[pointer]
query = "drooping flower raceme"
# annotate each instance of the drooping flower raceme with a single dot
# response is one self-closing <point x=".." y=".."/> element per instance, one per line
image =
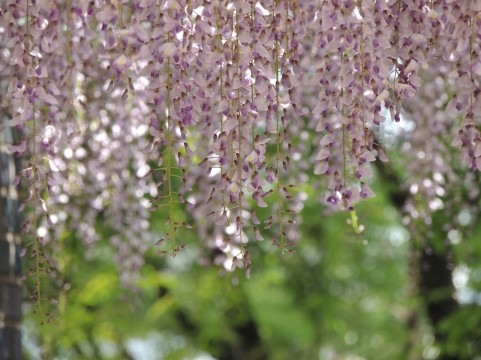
<point x="221" y="107"/>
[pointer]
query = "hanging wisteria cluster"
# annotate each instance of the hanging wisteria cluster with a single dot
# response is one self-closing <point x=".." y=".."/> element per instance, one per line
<point x="126" y="106"/>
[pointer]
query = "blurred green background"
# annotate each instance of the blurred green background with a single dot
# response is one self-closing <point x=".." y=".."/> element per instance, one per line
<point x="339" y="296"/>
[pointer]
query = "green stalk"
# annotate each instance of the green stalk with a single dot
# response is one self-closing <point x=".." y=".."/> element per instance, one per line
<point x="169" y="155"/>
<point x="278" y="148"/>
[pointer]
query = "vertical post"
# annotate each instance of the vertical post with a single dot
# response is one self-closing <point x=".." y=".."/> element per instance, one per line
<point x="10" y="266"/>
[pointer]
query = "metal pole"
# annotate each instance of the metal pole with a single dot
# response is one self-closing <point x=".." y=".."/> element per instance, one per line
<point x="10" y="248"/>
